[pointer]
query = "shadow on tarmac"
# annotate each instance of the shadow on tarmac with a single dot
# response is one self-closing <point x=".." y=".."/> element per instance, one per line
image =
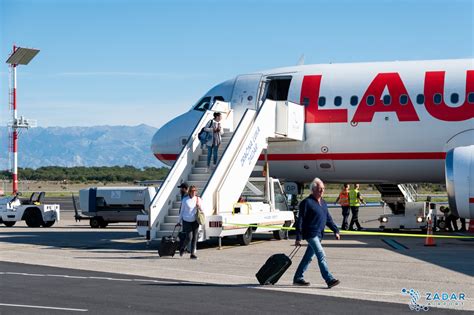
<point x="453" y="254"/>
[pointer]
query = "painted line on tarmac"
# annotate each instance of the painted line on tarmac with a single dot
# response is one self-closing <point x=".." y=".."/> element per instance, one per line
<point x="46" y="307"/>
<point x="86" y="277"/>
<point x="353" y="232"/>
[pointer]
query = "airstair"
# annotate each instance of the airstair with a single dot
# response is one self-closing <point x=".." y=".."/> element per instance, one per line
<point x="396" y="195"/>
<point x="238" y="154"/>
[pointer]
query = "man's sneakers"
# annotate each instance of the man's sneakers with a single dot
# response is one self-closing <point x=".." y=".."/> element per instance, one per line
<point x="301" y="282"/>
<point x="193" y="256"/>
<point x="333" y="283"/>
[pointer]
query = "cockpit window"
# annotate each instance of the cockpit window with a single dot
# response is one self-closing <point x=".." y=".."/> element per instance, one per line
<point x="218" y="98"/>
<point x="204" y="104"/>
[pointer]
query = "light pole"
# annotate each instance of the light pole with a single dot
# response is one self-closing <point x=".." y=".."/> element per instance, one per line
<point x="20" y="56"/>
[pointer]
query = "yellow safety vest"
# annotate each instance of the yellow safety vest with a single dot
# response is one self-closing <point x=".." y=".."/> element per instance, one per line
<point x="353" y="200"/>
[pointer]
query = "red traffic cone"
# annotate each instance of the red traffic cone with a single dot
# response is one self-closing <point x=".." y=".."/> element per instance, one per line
<point x="429" y="241"/>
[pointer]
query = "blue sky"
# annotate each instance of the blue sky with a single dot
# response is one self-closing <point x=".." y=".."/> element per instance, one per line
<point x="130" y="62"/>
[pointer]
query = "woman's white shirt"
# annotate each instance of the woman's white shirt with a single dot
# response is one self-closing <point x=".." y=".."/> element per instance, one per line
<point x="188" y="209"/>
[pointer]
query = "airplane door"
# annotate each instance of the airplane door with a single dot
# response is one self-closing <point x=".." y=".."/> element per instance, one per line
<point x="246" y="92"/>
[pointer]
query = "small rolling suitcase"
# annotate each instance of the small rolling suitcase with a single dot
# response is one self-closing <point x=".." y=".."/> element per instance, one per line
<point x="275" y="267"/>
<point x="168" y="245"/>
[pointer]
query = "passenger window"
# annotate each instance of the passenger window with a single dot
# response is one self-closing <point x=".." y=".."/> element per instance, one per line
<point x="354" y="100"/>
<point x="454" y="98"/>
<point x="203" y="104"/>
<point x="403" y="99"/>
<point x="437" y="98"/>
<point x="370" y="100"/>
<point x="305" y="101"/>
<point x="338" y="101"/>
<point x="387" y="100"/>
<point x="420" y="99"/>
<point x="470" y="98"/>
<point x="322" y="101"/>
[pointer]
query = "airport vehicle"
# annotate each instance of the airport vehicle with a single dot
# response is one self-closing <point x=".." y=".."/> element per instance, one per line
<point x="104" y="205"/>
<point x="415" y="216"/>
<point x="262" y="205"/>
<point x="387" y="123"/>
<point x="32" y="211"/>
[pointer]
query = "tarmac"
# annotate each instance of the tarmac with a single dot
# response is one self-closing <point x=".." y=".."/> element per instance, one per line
<point x="370" y="268"/>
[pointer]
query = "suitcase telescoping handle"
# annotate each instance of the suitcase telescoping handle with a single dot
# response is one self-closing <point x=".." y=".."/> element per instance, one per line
<point x="294" y="251"/>
<point x="172" y="234"/>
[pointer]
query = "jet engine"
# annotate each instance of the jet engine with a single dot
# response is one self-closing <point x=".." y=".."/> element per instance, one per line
<point x="460" y="180"/>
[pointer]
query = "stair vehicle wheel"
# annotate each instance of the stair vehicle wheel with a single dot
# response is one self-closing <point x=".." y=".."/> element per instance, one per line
<point x="280" y="234"/>
<point x="47" y="224"/>
<point x="245" y="238"/>
<point x="95" y="222"/>
<point x="33" y="217"/>
<point x="9" y="223"/>
<point x="103" y="224"/>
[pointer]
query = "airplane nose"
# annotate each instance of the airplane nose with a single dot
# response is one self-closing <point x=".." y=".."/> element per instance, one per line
<point x="172" y="136"/>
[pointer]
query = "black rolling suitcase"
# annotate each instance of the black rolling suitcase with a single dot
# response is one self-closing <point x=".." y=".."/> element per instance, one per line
<point x="275" y="267"/>
<point x="168" y="245"/>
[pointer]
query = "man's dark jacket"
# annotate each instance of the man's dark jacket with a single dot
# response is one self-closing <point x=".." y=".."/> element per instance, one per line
<point x="312" y="218"/>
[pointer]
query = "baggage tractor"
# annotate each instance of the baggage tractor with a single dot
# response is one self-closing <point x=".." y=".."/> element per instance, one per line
<point x="168" y="245"/>
<point x="275" y="267"/>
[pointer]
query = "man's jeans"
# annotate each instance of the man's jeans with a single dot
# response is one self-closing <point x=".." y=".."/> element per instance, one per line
<point x="314" y="247"/>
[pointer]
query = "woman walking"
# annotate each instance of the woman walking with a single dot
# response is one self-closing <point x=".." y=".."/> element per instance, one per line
<point x="187" y="218"/>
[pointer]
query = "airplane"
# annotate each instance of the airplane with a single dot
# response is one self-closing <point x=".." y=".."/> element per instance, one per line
<point x="374" y="122"/>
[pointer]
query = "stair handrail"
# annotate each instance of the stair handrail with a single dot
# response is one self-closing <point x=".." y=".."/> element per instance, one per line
<point x="244" y="138"/>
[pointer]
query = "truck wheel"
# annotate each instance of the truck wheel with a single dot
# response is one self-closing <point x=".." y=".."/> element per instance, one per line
<point x="245" y="238"/>
<point x="47" y="224"/>
<point x="95" y="222"/>
<point x="9" y="223"/>
<point x="280" y="234"/>
<point x="103" y="224"/>
<point x="33" y="217"/>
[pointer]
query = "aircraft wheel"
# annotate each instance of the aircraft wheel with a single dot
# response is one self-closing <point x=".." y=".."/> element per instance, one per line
<point x="9" y="223"/>
<point x="33" y="217"/>
<point x="49" y="223"/>
<point x="95" y="222"/>
<point x="245" y="238"/>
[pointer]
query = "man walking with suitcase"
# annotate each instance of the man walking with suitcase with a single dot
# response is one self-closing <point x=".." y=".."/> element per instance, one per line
<point x="313" y="216"/>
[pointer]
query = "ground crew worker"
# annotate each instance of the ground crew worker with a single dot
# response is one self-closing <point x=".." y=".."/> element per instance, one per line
<point x="343" y="200"/>
<point x="355" y="199"/>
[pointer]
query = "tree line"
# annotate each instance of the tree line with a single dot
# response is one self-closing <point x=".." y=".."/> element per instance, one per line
<point x="87" y="174"/>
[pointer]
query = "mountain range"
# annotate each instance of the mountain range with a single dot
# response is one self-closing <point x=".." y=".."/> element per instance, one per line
<point x="82" y="146"/>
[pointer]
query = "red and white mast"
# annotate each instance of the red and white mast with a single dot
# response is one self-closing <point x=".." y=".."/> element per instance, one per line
<point x="20" y="56"/>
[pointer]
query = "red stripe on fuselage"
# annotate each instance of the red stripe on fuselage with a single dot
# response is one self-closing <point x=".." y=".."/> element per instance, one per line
<point x="339" y="156"/>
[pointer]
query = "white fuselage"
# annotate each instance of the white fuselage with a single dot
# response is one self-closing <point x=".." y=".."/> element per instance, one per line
<point x="407" y="115"/>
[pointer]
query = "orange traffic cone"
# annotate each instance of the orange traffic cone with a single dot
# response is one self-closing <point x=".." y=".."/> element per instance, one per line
<point x="471" y="226"/>
<point x="429" y="241"/>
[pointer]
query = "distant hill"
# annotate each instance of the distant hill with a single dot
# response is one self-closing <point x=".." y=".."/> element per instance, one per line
<point x="83" y="146"/>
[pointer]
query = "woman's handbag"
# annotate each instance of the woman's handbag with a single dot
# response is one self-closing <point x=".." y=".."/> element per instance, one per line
<point x="200" y="217"/>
